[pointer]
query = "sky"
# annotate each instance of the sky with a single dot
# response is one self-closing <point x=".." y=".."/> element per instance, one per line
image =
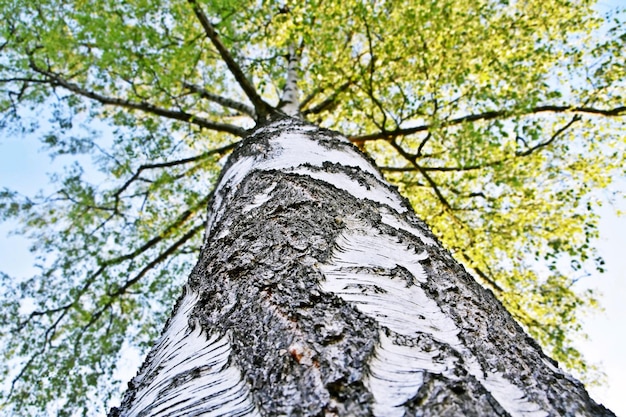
<point x="607" y="329"/>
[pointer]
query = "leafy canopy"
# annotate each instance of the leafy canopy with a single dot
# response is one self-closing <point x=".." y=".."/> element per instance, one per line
<point x="498" y="120"/>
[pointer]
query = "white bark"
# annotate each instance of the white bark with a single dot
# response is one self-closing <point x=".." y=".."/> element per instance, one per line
<point x="319" y="292"/>
<point x="289" y="102"/>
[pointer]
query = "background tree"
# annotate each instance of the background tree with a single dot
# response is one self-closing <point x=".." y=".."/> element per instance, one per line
<point x="497" y="121"/>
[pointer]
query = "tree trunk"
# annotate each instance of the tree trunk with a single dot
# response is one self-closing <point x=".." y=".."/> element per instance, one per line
<point x="319" y="293"/>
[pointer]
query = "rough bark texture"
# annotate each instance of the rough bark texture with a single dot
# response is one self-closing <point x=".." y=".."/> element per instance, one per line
<point x="319" y="293"/>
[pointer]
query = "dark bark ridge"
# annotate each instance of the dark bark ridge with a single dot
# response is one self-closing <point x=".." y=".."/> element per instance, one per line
<point x="319" y="293"/>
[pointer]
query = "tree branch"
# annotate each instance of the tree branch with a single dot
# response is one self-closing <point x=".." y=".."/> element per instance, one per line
<point x="56" y="80"/>
<point x="122" y="289"/>
<point x="614" y="112"/>
<point x="305" y="101"/>
<point x="443" y="169"/>
<point x="558" y="133"/>
<point x="413" y="158"/>
<point x="113" y="296"/>
<point x="223" y="101"/>
<point x="181" y="219"/>
<point x="370" y="80"/>
<point x="328" y="103"/>
<point x="160" y="258"/>
<point x="168" y="164"/>
<point x="486" y="278"/>
<point x="48" y="335"/>
<point x="22" y="79"/>
<point x="490" y="115"/>
<point x="262" y="109"/>
<point x="428" y="178"/>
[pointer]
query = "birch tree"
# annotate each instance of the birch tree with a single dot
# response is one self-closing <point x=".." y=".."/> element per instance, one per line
<point x="496" y="121"/>
<point x="318" y="292"/>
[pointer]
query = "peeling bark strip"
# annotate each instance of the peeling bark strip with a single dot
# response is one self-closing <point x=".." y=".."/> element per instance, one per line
<point x="188" y="372"/>
<point x="319" y="292"/>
